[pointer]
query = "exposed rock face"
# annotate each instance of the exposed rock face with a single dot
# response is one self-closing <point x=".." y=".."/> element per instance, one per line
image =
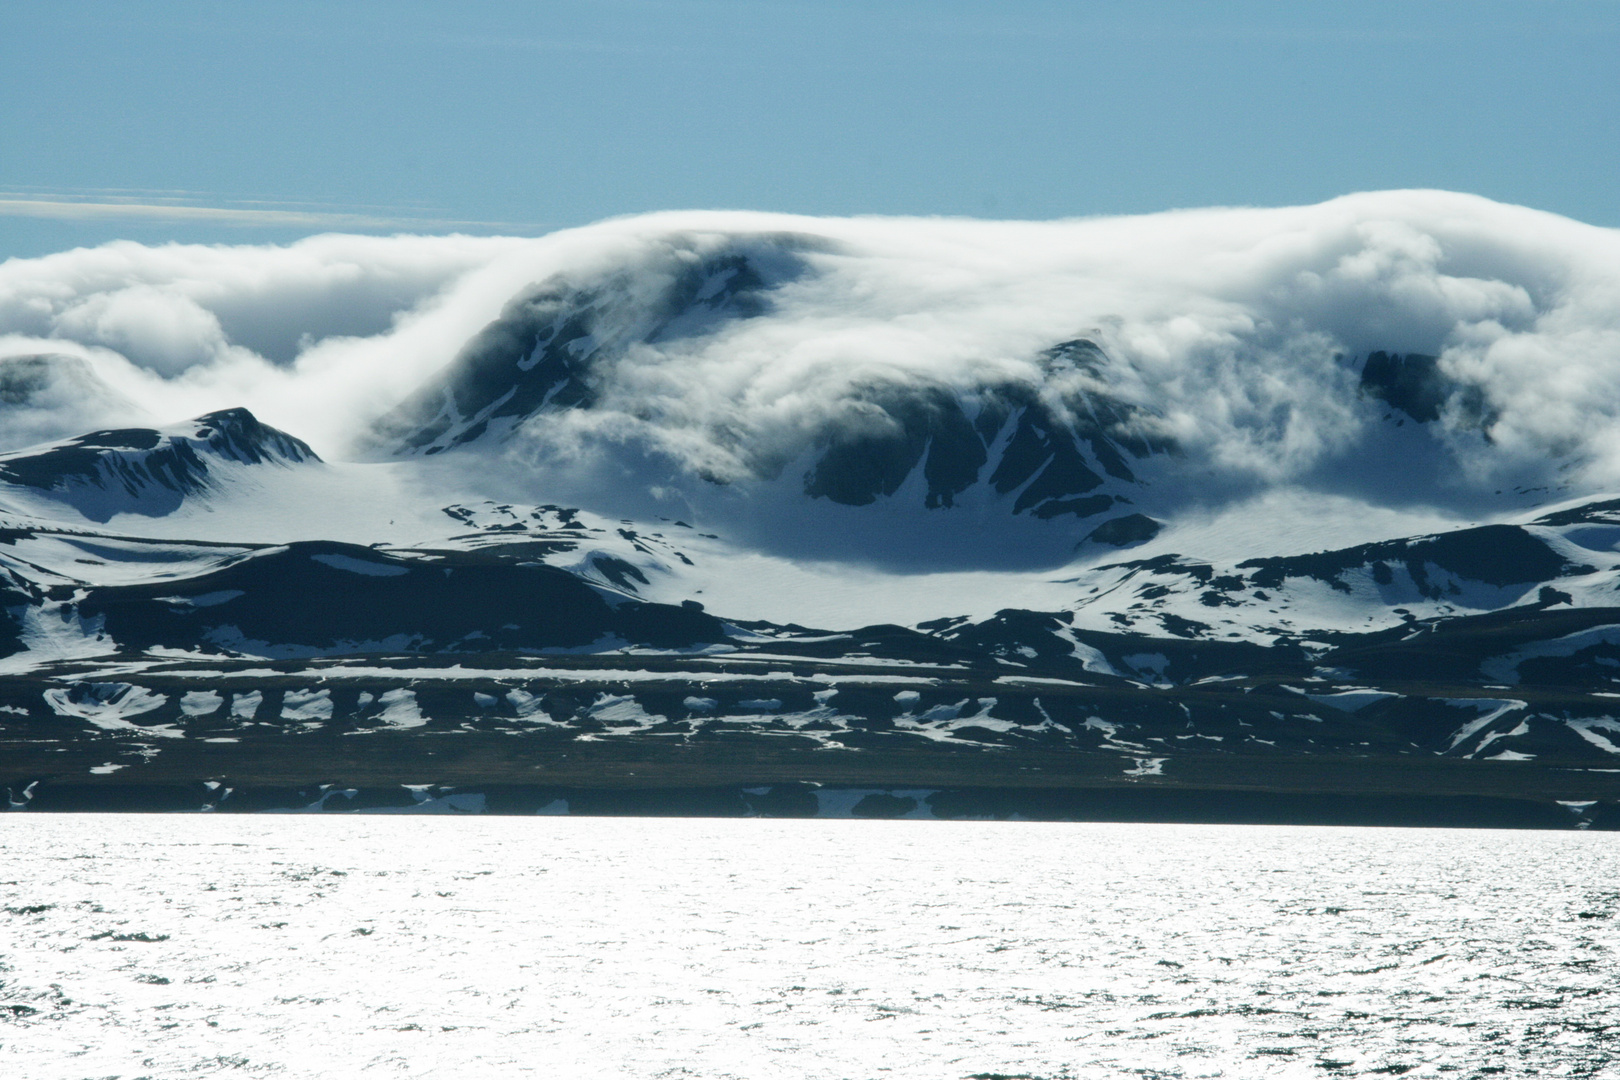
<point x="1054" y="454"/>
<point x="147" y="470"/>
<point x="1412" y="383"/>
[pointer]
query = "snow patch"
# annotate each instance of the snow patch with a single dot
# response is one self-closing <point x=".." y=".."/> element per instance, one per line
<point x="200" y="702"/>
<point x="306" y="705"/>
<point x="109" y="706"/>
<point x="400" y="709"/>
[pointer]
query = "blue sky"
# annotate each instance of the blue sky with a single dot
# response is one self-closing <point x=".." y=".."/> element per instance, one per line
<point x="223" y="121"/>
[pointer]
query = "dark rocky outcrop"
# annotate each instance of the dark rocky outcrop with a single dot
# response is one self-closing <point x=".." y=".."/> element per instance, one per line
<point x="321" y="597"/>
<point x="1124" y="531"/>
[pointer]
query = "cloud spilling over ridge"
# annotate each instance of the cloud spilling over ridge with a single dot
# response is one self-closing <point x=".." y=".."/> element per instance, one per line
<point x="176" y="330"/>
<point x="1240" y="330"/>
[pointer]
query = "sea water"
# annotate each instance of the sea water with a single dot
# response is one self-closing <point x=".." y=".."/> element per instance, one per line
<point x="335" y="947"/>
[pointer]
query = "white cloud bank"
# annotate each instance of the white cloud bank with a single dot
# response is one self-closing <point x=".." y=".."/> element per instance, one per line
<point x="1238" y="327"/>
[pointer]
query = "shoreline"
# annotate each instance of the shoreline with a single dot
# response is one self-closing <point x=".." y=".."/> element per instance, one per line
<point x="767" y="777"/>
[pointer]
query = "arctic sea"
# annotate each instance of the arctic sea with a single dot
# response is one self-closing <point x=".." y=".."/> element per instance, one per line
<point x="354" y="946"/>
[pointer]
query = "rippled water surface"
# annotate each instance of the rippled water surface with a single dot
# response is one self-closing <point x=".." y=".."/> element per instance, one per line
<point x="151" y="946"/>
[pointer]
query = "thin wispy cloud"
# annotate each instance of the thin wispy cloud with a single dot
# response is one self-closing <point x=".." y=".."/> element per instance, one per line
<point x="157" y="207"/>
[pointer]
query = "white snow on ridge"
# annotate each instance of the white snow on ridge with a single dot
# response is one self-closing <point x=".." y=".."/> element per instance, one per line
<point x="391" y="503"/>
<point x="1284" y="521"/>
<point x="1505" y="668"/>
<point x="1352" y="700"/>
<point x="941" y="722"/>
<point x="1602" y="732"/>
<point x="622" y="714"/>
<point x="1522" y="728"/>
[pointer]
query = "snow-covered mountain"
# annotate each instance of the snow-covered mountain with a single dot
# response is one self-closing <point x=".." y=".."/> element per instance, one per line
<point x="1059" y="447"/>
<point x="149" y="471"/>
<point x="830" y="487"/>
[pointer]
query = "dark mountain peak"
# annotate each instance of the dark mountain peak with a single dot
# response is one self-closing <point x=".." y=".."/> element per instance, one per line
<point x="1081" y="354"/>
<point x="149" y="471"/>
<point x="549" y="342"/>
<point x="239" y="435"/>
<point x="1412" y="383"/>
<point x="23" y="378"/>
